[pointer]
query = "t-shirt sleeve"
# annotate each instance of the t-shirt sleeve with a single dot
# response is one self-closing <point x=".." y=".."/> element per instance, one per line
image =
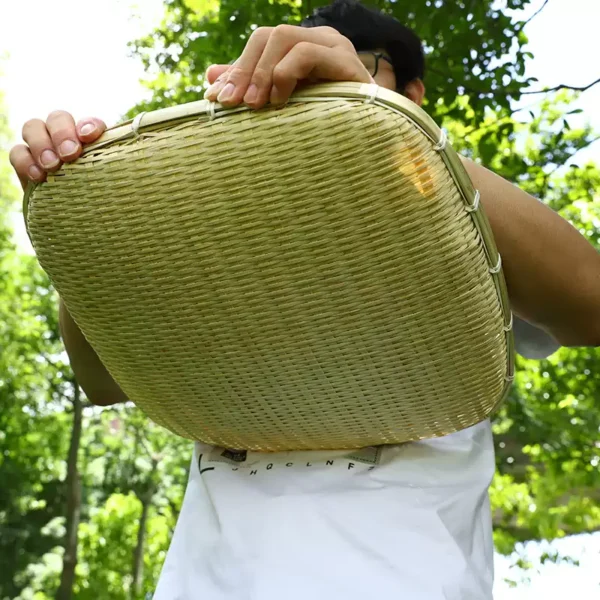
<point x="533" y="342"/>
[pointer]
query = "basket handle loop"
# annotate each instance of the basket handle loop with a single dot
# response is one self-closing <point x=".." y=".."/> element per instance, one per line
<point x="136" y="123"/>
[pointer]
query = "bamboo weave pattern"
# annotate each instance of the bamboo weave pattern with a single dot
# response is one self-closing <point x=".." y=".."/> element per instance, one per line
<point x="308" y="277"/>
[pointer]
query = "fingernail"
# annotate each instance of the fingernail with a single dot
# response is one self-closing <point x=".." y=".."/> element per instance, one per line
<point x="251" y="94"/>
<point x="49" y="159"/>
<point x="87" y="129"/>
<point x="35" y="172"/>
<point x="226" y="93"/>
<point x="67" y="148"/>
<point x="214" y="89"/>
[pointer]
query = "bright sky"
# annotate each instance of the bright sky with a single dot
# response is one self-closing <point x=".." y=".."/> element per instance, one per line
<point x="565" y="40"/>
<point x="72" y="54"/>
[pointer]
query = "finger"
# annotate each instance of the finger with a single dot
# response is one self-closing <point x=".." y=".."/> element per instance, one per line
<point x="36" y="136"/>
<point x="25" y="165"/>
<point x="306" y="61"/>
<point x="62" y="130"/>
<point x="90" y="129"/>
<point x="282" y="41"/>
<point x="230" y="89"/>
<point x="215" y="71"/>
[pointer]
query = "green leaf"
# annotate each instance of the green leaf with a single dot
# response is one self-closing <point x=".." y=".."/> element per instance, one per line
<point x="202" y="7"/>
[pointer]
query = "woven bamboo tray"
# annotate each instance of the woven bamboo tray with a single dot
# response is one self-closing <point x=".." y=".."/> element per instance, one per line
<point x="314" y="276"/>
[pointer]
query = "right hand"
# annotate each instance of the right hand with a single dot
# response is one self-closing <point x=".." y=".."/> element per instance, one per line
<point x="51" y="143"/>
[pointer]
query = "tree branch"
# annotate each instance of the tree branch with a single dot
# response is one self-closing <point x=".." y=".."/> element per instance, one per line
<point x="563" y="86"/>
<point x="535" y="14"/>
<point x="73" y="483"/>
<point x="511" y="92"/>
<point x="557" y="167"/>
<point x="138" y="553"/>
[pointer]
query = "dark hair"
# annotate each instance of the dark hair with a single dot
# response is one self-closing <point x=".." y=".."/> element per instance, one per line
<point x="369" y="29"/>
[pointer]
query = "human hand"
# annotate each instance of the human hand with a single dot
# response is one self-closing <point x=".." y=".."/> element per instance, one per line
<point x="276" y="59"/>
<point x="51" y="143"/>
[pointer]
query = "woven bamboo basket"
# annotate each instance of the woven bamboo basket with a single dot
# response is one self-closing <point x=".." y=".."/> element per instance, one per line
<point x="315" y="276"/>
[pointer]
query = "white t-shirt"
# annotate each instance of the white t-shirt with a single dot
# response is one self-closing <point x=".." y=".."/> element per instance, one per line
<point x="410" y="521"/>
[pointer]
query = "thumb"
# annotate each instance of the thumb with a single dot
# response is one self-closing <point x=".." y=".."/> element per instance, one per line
<point x="215" y="71"/>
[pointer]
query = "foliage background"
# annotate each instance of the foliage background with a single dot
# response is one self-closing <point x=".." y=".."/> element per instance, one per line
<point x="89" y="497"/>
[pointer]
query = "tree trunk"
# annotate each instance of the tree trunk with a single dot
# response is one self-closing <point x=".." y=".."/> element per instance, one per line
<point x="67" y="578"/>
<point x="138" y="553"/>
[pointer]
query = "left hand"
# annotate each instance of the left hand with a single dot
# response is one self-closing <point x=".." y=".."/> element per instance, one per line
<point x="276" y="59"/>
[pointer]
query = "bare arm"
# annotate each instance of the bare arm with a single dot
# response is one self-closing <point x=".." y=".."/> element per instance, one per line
<point x="91" y="374"/>
<point x="552" y="272"/>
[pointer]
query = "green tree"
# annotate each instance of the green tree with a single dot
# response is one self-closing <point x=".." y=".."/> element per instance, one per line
<point x="64" y="462"/>
<point x="133" y="463"/>
<point x="31" y="386"/>
<point x="481" y="54"/>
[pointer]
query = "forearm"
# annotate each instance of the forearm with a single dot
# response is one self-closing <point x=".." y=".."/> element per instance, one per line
<point x="552" y="272"/>
<point x="91" y="374"/>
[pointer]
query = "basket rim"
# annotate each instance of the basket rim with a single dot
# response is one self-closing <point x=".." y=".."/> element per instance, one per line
<point x="205" y="110"/>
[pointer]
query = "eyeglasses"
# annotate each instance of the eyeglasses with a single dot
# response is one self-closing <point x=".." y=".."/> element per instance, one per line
<point x="371" y="61"/>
